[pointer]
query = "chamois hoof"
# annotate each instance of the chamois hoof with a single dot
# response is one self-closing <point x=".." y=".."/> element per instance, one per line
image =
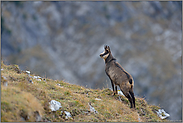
<point x="132" y="107"/>
<point x="113" y="94"/>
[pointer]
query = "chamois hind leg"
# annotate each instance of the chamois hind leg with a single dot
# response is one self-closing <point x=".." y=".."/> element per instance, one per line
<point x="125" y="91"/>
<point x="128" y="96"/>
<point x="133" y="97"/>
<point x="131" y="100"/>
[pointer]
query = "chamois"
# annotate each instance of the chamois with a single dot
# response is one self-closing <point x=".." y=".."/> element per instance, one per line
<point x="118" y="76"/>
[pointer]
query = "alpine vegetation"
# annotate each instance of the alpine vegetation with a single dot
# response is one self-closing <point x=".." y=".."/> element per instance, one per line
<point x="48" y="100"/>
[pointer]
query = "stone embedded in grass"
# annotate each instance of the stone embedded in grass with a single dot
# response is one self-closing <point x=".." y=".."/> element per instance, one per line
<point x="66" y="114"/>
<point x="92" y="109"/>
<point x="97" y="99"/>
<point x="28" y="72"/>
<point x="38" y="78"/>
<point x="37" y="116"/>
<point x="162" y="114"/>
<point x="54" y="105"/>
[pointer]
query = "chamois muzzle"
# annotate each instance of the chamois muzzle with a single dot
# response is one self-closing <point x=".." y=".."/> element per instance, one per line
<point x="101" y="55"/>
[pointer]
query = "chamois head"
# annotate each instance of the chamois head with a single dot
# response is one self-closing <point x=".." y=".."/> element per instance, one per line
<point x="106" y="52"/>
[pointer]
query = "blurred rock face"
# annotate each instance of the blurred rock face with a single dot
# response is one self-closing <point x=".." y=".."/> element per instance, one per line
<point x="63" y="40"/>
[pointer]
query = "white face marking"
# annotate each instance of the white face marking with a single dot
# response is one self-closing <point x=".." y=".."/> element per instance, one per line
<point x="105" y="56"/>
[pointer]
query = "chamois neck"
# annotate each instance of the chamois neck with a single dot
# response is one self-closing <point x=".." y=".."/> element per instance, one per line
<point x="109" y="58"/>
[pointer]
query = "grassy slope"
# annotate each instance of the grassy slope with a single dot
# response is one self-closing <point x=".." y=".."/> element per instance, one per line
<point x="22" y="98"/>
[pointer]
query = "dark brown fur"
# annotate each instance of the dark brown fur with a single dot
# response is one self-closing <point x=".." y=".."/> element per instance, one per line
<point x="118" y="76"/>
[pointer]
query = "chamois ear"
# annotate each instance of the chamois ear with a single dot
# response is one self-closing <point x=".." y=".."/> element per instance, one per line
<point x="108" y="48"/>
<point x="105" y="47"/>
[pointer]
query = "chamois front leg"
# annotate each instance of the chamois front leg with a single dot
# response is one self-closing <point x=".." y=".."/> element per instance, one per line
<point x="111" y="84"/>
<point x="116" y="89"/>
<point x="113" y="87"/>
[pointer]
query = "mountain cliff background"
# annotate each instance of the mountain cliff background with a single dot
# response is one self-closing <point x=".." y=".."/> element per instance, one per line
<point x="63" y="40"/>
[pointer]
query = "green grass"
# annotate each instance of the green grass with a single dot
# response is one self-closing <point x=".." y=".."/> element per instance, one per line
<point x="22" y="98"/>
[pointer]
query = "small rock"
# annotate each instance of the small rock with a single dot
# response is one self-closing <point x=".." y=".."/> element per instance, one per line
<point x="97" y="99"/>
<point x="2" y="69"/>
<point x="92" y="109"/>
<point x="162" y="114"/>
<point x="28" y="72"/>
<point x="37" y="116"/>
<point x="54" y="105"/>
<point x="66" y="114"/>
<point x="37" y="77"/>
